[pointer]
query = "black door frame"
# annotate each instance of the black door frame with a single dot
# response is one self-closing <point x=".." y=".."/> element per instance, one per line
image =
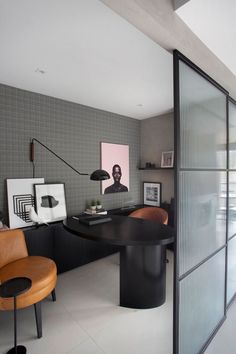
<point x="177" y="57"/>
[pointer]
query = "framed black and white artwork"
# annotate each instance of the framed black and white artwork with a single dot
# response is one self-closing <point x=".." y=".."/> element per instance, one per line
<point x="20" y="195"/>
<point x="152" y="193"/>
<point x="50" y="201"/>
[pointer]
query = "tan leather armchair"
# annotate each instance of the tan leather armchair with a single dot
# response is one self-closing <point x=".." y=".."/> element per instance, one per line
<point x="15" y="262"/>
<point x="151" y="213"/>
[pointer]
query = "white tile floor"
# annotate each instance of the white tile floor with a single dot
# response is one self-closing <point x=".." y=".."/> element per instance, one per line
<point x="86" y="319"/>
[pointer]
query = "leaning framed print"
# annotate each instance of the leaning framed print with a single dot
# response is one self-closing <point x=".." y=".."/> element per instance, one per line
<point x="167" y="159"/>
<point x="115" y="160"/>
<point x="152" y="193"/>
<point x="20" y="196"/>
<point x="50" y="201"/>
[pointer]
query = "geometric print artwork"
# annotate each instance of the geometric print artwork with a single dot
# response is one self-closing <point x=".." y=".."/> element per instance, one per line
<point x="22" y="205"/>
<point x="20" y="195"/>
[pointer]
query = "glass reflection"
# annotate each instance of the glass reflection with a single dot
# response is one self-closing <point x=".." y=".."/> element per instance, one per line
<point x="201" y="303"/>
<point x="202" y="122"/>
<point x="202" y="219"/>
<point x="232" y="135"/>
<point x="232" y="204"/>
<point x="231" y="276"/>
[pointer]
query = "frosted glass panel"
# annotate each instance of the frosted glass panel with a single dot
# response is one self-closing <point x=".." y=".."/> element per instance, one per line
<point x="202" y="219"/>
<point x="201" y="304"/>
<point x="231" y="276"/>
<point x="232" y="135"/>
<point x="202" y="122"/>
<point x="232" y="204"/>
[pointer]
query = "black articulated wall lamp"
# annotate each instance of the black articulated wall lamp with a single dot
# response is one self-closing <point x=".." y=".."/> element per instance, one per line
<point x="98" y="175"/>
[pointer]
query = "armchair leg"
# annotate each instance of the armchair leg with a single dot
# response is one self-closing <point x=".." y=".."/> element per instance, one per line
<point x="54" y="298"/>
<point x="38" y="318"/>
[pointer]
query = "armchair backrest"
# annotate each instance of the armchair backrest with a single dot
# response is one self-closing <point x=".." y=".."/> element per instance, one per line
<point x="151" y="213"/>
<point x="12" y="246"/>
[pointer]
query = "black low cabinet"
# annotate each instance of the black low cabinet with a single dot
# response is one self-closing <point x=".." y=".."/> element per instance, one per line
<point x="40" y="241"/>
<point x="72" y="251"/>
<point x="67" y="250"/>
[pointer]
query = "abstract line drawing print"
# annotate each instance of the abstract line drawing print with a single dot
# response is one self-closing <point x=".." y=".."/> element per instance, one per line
<point x="22" y="204"/>
<point x="20" y="197"/>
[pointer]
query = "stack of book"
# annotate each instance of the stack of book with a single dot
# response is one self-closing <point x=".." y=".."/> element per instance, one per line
<point x="94" y="220"/>
<point x="96" y="211"/>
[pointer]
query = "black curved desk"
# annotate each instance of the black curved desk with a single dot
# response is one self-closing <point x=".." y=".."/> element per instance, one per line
<point x="142" y="257"/>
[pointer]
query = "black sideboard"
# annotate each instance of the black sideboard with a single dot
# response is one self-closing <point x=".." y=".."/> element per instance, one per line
<point x="67" y="250"/>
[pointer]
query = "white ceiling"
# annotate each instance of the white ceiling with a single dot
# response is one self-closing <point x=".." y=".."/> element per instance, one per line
<point x="213" y="21"/>
<point x="89" y="55"/>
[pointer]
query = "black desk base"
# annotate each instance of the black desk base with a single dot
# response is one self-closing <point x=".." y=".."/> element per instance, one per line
<point x="142" y="276"/>
<point x="20" y="349"/>
<point x="142" y="256"/>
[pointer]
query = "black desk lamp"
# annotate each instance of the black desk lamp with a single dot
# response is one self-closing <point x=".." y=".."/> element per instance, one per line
<point x="98" y="175"/>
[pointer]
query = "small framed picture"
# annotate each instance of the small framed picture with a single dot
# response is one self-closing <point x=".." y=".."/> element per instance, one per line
<point x="152" y="193"/>
<point x="167" y="159"/>
<point x="50" y="201"/>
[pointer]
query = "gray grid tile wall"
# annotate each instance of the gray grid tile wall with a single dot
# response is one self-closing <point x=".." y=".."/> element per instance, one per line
<point x="74" y="132"/>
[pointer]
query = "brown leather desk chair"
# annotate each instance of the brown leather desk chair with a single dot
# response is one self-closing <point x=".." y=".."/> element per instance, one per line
<point x="151" y="213"/>
<point x="15" y="262"/>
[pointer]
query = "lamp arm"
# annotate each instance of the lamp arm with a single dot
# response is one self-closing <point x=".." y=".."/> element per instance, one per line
<point x="52" y="152"/>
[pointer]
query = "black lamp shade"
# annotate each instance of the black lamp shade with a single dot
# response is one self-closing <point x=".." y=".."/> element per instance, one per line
<point x="99" y="175"/>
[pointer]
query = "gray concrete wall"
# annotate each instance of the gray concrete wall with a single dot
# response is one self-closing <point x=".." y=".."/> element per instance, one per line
<point x="157" y="135"/>
<point x="179" y="3"/>
<point x="158" y="20"/>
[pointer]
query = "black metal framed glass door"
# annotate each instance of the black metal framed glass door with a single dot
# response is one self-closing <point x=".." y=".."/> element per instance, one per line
<point x="201" y="180"/>
<point x="231" y="261"/>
